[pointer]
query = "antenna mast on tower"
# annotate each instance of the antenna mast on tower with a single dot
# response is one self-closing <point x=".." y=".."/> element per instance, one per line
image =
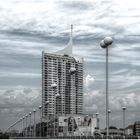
<point x="71" y="37"/>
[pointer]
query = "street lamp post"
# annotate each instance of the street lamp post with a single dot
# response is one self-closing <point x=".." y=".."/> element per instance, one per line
<point x="26" y="130"/>
<point x="21" y="121"/>
<point x="124" y="109"/>
<point x="34" y="123"/>
<point x="72" y="71"/>
<point x="40" y="107"/>
<point x="20" y="126"/>
<point x="30" y="128"/>
<point x="97" y="120"/>
<point x="104" y="44"/>
<point x="23" y="125"/>
<point x="109" y="111"/>
<point x="56" y="96"/>
<point x="54" y="86"/>
<point x="46" y="103"/>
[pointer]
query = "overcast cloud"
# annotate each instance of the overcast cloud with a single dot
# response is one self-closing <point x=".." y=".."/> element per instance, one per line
<point x="30" y="26"/>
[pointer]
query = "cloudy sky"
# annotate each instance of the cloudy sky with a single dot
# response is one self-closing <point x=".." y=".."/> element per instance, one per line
<point x="29" y="26"/>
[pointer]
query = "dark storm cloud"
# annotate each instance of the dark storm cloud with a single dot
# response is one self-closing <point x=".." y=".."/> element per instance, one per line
<point x="35" y="36"/>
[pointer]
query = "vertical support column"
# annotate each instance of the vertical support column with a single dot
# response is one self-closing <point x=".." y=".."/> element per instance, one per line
<point x="107" y="101"/>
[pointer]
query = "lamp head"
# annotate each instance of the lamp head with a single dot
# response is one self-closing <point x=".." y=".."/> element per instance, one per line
<point x="108" y="40"/>
<point x="109" y="111"/>
<point x="97" y="114"/>
<point x="123" y="108"/>
<point x="34" y="110"/>
<point x="102" y="44"/>
<point x="40" y="107"/>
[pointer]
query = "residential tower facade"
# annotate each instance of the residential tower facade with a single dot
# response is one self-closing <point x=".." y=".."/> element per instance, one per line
<point x="62" y="74"/>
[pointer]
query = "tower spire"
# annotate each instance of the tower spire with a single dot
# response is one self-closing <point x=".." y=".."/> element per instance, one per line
<point x="68" y="48"/>
<point x="71" y="37"/>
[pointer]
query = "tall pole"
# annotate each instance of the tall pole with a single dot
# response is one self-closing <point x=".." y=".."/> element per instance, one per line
<point x="47" y="103"/>
<point x="104" y="44"/>
<point x="109" y="111"/>
<point x="34" y="124"/>
<point x="40" y="120"/>
<point x="26" y="130"/>
<point x="54" y="86"/>
<point x="54" y="112"/>
<point x="97" y="120"/>
<point x="107" y="103"/>
<point x="71" y="37"/>
<point x="56" y="96"/>
<point x="72" y="72"/>
<point x="23" y="126"/>
<point x="124" y="108"/>
<point x="30" y="129"/>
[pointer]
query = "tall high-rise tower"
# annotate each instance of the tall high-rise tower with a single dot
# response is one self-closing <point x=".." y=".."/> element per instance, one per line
<point x="62" y="74"/>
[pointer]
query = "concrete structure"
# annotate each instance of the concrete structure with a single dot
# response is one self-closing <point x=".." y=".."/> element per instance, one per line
<point x="112" y="132"/>
<point x="74" y="125"/>
<point x="129" y="130"/>
<point x="62" y="74"/>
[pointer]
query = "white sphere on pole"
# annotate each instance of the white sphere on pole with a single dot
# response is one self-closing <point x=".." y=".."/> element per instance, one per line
<point x="40" y="107"/>
<point x="108" y="40"/>
<point x="97" y="114"/>
<point x="123" y="108"/>
<point x="109" y="111"/>
<point x="102" y="44"/>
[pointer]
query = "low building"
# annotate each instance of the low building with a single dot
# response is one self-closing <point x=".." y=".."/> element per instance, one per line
<point x="113" y="131"/>
<point x="72" y="125"/>
<point x="129" y="130"/>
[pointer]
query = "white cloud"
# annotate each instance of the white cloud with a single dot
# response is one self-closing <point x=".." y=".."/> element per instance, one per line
<point x="89" y="79"/>
<point x="94" y="101"/>
<point x="15" y="103"/>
